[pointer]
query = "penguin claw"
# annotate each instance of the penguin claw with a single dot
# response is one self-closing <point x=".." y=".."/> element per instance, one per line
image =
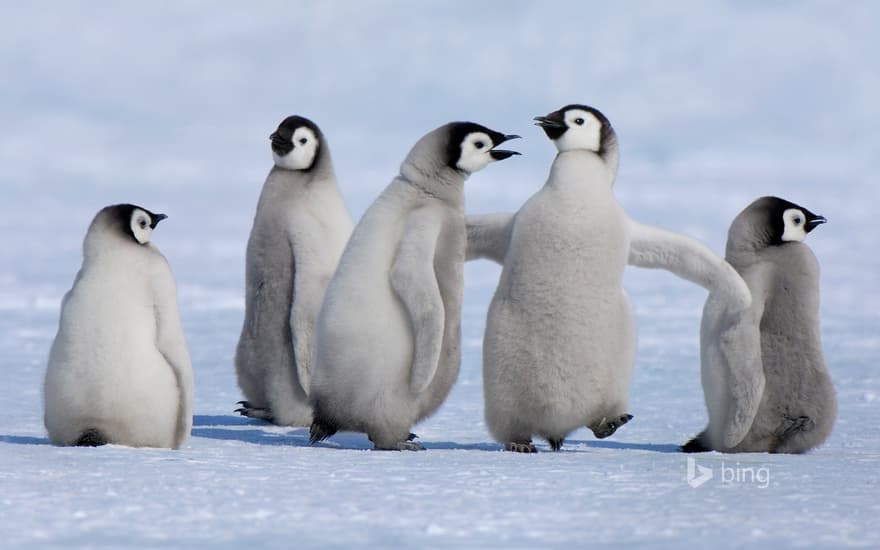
<point x="607" y="428"/>
<point x="526" y="447"/>
<point x="254" y="412"/>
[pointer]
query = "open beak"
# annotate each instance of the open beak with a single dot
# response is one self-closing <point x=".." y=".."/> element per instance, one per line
<point x="552" y="124"/>
<point x="814" y="222"/>
<point x="553" y="121"/>
<point x="156" y="219"/>
<point x="501" y="154"/>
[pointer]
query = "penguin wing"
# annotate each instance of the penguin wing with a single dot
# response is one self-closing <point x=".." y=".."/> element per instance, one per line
<point x="415" y="283"/>
<point x="488" y="236"/>
<point x="652" y="247"/>
<point x="734" y="373"/>
<point x="306" y="300"/>
<point x="171" y="344"/>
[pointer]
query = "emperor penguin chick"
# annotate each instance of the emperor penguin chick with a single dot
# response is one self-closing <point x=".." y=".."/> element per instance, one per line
<point x="560" y="335"/>
<point x="119" y="371"/>
<point x="388" y="336"/>
<point x="299" y="231"/>
<point x="795" y="400"/>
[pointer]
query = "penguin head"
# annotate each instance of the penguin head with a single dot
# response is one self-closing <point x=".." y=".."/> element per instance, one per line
<point x="129" y="221"/>
<point x="772" y="221"/>
<point x="471" y="146"/>
<point x="579" y="127"/>
<point x="296" y="144"/>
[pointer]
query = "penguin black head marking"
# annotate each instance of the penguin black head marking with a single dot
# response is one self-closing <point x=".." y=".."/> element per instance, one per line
<point x="774" y="221"/>
<point x="471" y="146"/>
<point x="579" y="127"/>
<point x="296" y="144"/>
<point x="134" y="221"/>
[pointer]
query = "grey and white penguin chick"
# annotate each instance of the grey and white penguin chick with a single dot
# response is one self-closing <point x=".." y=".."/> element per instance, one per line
<point x="300" y="229"/>
<point x="388" y="336"/>
<point x="560" y="336"/>
<point x="119" y="371"/>
<point x="789" y="387"/>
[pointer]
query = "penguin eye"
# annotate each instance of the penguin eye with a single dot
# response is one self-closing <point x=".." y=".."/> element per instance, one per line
<point x="143" y="223"/>
<point x="797" y="220"/>
<point x="303" y="141"/>
<point x="479" y="144"/>
<point x="579" y="121"/>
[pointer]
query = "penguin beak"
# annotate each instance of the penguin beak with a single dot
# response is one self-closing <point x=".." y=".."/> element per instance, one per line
<point x="156" y="219"/>
<point x="280" y="144"/>
<point x="552" y="124"/>
<point x="814" y="222"/>
<point x="501" y="154"/>
<point x="552" y="121"/>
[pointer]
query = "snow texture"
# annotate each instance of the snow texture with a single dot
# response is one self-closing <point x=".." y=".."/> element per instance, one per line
<point x="170" y="106"/>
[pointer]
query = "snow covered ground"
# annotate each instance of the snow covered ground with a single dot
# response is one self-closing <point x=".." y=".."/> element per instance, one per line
<point x="715" y="104"/>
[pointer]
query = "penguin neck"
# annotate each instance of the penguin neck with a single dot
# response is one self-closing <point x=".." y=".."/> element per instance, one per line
<point x="441" y="183"/>
<point x="282" y="180"/>
<point x="106" y="246"/>
<point x="580" y="171"/>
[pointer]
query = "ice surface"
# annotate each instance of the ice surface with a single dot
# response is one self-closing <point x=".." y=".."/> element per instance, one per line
<point x="715" y="104"/>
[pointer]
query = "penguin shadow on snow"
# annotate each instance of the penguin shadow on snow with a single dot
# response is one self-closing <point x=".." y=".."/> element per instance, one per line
<point x="621" y="445"/>
<point x="214" y="427"/>
<point x="23" y="440"/>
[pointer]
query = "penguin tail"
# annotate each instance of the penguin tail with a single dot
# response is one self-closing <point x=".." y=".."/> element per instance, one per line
<point x="91" y="438"/>
<point x="695" y="445"/>
<point x="322" y="426"/>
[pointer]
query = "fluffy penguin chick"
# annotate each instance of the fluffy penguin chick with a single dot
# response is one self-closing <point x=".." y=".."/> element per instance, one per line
<point x="795" y="404"/>
<point x="119" y="371"/>
<point x="300" y="229"/>
<point x="388" y="336"/>
<point x="560" y="336"/>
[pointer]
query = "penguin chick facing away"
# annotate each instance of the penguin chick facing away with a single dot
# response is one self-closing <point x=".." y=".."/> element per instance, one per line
<point x="388" y="335"/>
<point x="299" y="231"/>
<point x="119" y="371"/>
<point x="788" y="384"/>
<point x="559" y="345"/>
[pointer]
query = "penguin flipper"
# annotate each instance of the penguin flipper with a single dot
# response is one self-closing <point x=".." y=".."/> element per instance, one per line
<point x="415" y="283"/>
<point x="653" y="247"/>
<point x="171" y="344"/>
<point x="736" y="365"/>
<point x="488" y="236"/>
<point x="306" y="299"/>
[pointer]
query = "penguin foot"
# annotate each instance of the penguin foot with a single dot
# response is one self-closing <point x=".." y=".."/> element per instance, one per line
<point x="526" y="447"/>
<point x="255" y="412"/>
<point x="555" y="443"/>
<point x="91" y="438"/>
<point x="608" y="427"/>
<point x="794" y="424"/>
<point x="790" y="427"/>
<point x="407" y="445"/>
<point x="695" y="445"/>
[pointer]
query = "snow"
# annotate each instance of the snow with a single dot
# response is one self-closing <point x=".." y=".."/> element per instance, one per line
<point x="715" y="104"/>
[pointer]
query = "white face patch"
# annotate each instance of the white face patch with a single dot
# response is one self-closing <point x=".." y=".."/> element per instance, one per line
<point x="141" y="226"/>
<point x="305" y="147"/>
<point x="584" y="132"/>
<point x="794" y="223"/>
<point x="475" y="152"/>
